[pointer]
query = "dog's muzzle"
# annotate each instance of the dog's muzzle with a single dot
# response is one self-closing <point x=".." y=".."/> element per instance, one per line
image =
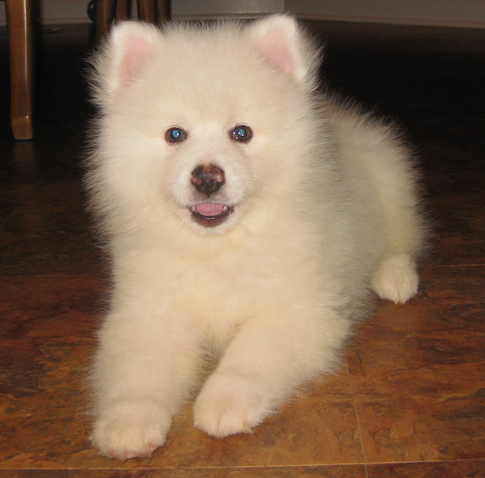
<point x="208" y="180"/>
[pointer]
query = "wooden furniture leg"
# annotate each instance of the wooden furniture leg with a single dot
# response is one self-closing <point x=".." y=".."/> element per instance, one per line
<point x="123" y="10"/>
<point x="163" y="11"/>
<point x="154" y="11"/>
<point x="104" y="15"/>
<point x="150" y="11"/>
<point x="21" y="45"/>
<point x="147" y="11"/>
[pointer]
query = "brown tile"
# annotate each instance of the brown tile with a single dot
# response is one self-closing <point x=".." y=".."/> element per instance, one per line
<point x="455" y="188"/>
<point x="418" y="372"/>
<point x="49" y="429"/>
<point x="320" y="428"/>
<point x="345" y="471"/>
<point x="19" y="163"/>
<point x="47" y="342"/>
<point x="46" y="345"/>
<point x="48" y="232"/>
<point x="447" y="469"/>
<point x="459" y="232"/>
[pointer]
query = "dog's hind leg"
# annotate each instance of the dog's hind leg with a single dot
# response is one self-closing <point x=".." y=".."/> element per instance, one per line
<point x="404" y="229"/>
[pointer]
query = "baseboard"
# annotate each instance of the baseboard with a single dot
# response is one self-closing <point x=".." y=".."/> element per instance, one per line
<point x="218" y="8"/>
<point x="457" y="13"/>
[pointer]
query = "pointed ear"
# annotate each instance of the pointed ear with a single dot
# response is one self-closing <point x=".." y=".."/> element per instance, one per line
<point x="287" y="47"/>
<point x="123" y="57"/>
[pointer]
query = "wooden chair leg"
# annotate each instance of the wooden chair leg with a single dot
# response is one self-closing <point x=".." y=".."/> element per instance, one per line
<point x="151" y="11"/>
<point x="105" y="11"/>
<point x="21" y="45"/>
<point x="163" y="11"/>
<point x="147" y="11"/>
<point x="123" y="10"/>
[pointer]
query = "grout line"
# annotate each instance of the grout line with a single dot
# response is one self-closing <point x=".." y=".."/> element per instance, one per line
<point x="359" y="427"/>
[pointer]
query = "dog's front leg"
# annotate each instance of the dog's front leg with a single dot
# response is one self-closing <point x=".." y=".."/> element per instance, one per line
<point x="147" y="361"/>
<point x="267" y="360"/>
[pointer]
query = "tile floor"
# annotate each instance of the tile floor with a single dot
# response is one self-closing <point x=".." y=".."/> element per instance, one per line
<point x="409" y="401"/>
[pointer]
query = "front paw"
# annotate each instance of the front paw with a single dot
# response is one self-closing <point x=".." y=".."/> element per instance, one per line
<point x="230" y="404"/>
<point x="131" y="428"/>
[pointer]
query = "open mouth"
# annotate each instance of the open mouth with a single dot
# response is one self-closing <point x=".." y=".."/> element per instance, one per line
<point x="210" y="214"/>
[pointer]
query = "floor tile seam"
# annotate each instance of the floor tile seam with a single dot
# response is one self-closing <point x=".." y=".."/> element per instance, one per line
<point x="359" y="426"/>
<point x="7" y="218"/>
<point x="427" y="462"/>
<point x="171" y="468"/>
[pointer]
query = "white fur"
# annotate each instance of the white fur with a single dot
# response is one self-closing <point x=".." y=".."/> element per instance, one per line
<point x="324" y="200"/>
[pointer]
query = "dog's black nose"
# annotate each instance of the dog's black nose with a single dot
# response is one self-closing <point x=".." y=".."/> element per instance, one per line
<point x="208" y="178"/>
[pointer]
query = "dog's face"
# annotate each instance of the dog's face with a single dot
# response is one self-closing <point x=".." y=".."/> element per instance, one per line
<point x="205" y="125"/>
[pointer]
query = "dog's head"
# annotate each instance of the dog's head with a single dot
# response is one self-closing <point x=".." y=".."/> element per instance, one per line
<point x="204" y="125"/>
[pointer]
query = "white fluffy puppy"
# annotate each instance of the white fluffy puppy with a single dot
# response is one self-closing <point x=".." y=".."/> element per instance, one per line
<point x="247" y="218"/>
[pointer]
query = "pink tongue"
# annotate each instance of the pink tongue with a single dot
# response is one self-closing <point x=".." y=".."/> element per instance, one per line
<point x="210" y="209"/>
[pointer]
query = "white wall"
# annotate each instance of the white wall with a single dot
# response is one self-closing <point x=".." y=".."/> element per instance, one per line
<point x="464" y="13"/>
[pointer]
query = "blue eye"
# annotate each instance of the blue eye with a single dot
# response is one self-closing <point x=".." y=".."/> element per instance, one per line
<point x="241" y="133"/>
<point x="175" y="135"/>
